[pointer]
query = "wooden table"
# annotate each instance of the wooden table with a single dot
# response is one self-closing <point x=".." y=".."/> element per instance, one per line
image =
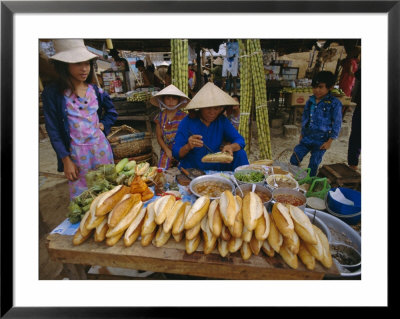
<point x="172" y="258"/>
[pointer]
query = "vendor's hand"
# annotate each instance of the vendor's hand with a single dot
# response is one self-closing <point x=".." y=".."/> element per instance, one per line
<point x="326" y="145"/>
<point x="100" y="126"/>
<point x="71" y="171"/>
<point x="195" y="141"/>
<point x="228" y="149"/>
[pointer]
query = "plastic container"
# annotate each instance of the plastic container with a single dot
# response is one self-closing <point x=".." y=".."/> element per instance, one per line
<point x="321" y="193"/>
<point x="348" y="213"/>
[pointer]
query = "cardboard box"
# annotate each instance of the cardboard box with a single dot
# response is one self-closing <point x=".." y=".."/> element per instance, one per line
<point x="298" y="98"/>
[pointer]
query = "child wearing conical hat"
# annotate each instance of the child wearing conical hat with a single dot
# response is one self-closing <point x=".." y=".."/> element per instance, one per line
<point x="170" y="101"/>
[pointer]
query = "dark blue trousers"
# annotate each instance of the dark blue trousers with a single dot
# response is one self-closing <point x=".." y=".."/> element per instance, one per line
<point x="309" y="143"/>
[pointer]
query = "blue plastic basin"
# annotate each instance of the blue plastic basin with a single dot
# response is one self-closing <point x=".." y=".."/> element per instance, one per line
<point x="347" y="213"/>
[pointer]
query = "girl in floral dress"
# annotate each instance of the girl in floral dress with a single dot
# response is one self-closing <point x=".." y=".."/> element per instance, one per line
<point x="170" y="100"/>
<point x="78" y="115"/>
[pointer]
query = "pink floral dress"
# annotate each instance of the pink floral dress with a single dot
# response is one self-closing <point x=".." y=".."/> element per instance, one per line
<point x="89" y="146"/>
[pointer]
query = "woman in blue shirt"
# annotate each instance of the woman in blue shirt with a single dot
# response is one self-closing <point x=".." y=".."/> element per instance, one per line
<point x="207" y="125"/>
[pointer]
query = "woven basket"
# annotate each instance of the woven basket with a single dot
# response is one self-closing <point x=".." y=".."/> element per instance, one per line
<point x="127" y="142"/>
<point x="151" y="158"/>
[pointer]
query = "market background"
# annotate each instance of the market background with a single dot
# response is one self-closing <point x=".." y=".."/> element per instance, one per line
<point x="53" y="187"/>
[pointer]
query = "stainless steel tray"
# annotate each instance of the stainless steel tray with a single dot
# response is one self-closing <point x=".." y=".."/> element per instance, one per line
<point x="340" y="232"/>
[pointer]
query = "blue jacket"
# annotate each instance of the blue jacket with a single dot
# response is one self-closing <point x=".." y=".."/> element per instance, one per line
<point x="56" y="119"/>
<point x="324" y="118"/>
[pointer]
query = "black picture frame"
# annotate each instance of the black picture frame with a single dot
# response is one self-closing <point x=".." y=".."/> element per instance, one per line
<point x="9" y="8"/>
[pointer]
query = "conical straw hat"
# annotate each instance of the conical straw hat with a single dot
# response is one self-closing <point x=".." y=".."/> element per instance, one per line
<point x="218" y="61"/>
<point x="210" y="95"/>
<point x="169" y="90"/>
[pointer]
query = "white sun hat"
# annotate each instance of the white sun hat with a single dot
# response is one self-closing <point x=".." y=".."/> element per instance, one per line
<point x="169" y="90"/>
<point x="210" y="95"/>
<point x="71" y="51"/>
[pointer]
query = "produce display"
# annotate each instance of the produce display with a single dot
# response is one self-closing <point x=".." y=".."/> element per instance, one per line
<point x="141" y="96"/>
<point x="227" y="225"/>
<point x="105" y="178"/>
<point x="179" y="64"/>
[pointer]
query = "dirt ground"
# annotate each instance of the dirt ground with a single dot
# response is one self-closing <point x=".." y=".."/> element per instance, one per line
<point x="54" y="194"/>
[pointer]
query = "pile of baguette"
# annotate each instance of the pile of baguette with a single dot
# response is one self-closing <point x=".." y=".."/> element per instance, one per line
<point x="228" y="224"/>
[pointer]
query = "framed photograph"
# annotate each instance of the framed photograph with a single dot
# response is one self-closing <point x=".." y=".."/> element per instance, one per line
<point x="23" y="23"/>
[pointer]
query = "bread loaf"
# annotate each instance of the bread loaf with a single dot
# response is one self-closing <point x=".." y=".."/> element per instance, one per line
<point x="234" y="244"/>
<point x="177" y="237"/>
<point x="282" y="219"/>
<point x="192" y="244"/>
<point x="149" y="224"/>
<point x="135" y="228"/>
<point x="302" y="225"/>
<point x="122" y="208"/>
<point x="111" y="241"/>
<point x="197" y="211"/>
<point x="94" y="220"/>
<point x="214" y="218"/>
<point x="225" y="233"/>
<point x="262" y="226"/>
<point x="252" y="210"/>
<point x="161" y="237"/>
<point x="255" y="245"/>
<point x="112" y="197"/>
<point x="267" y="249"/>
<point x="84" y="223"/>
<point x="275" y="238"/>
<point x="288" y="256"/>
<point x="126" y="220"/>
<point x="292" y="242"/>
<point x="228" y="208"/>
<point x="223" y="247"/>
<point x="101" y="230"/>
<point x="217" y="158"/>
<point x="147" y="239"/>
<point x="246" y="234"/>
<point x="209" y="239"/>
<point x="193" y="232"/>
<point x="306" y="257"/>
<point x="179" y="224"/>
<point x="317" y="250"/>
<point x="79" y="238"/>
<point x="326" y="260"/>
<point x="178" y="208"/>
<point x="162" y="207"/>
<point x="237" y="228"/>
<point x="245" y="250"/>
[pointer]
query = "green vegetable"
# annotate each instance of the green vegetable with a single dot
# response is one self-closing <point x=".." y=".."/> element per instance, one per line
<point x="250" y="177"/>
<point x="121" y="164"/>
<point x="130" y="165"/>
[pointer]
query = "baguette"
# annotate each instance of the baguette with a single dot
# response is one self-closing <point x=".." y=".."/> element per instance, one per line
<point x="84" y="223"/>
<point x="141" y="168"/>
<point x="161" y="237"/>
<point x="147" y="239"/>
<point x="94" y="220"/>
<point x="292" y="243"/>
<point x="79" y="238"/>
<point x="214" y="218"/>
<point x="100" y="232"/>
<point x="179" y="224"/>
<point x="288" y="256"/>
<point x="227" y="208"/>
<point x="162" y="207"/>
<point x="255" y="245"/>
<point x="135" y="228"/>
<point x="179" y="207"/>
<point x="107" y="202"/>
<point x="197" y="212"/>
<point x="275" y="238"/>
<point x="210" y="239"/>
<point x="192" y="244"/>
<point x="237" y="228"/>
<point x="245" y="250"/>
<point x="147" y="194"/>
<point x="282" y="219"/>
<point x="252" y="210"/>
<point x="306" y="257"/>
<point x="267" y="249"/>
<point x="223" y="247"/>
<point x="193" y="232"/>
<point x="149" y="225"/>
<point x="126" y="221"/>
<point x="178" y="237"/>
<point x="302" y="225"/>
<point x="263" y="226"/>
<point x="225" y="233"/>
<point x="122" y="208"/>
<point x="317" y="250"/>
<point x="246" y="234"/>
<point x="234" y="244"/>
<point x="217" y="158"/>
<point x="111" y="241"/>
<point x="326" y="260"/>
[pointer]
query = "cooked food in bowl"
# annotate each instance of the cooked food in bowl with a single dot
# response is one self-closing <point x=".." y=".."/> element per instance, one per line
<point x="289" y="199"/>
<point x="211" y="188"/>
<point x="249" y="176"/>
<point x="263" y="195"/>
<point x="283" y="181"/>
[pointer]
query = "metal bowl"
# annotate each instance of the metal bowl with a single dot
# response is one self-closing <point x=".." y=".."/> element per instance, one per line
<point x="270" y="181"/>
<point x="346" y="255"/>
<point x="208" y="178"/>
<point x="259" y="188"/>
<point x="290" y="191"/>
<point x="248" y="171"/>
<point x="320" y="224"/>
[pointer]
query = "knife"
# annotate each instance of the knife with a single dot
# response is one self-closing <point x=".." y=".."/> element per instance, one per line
<point x="207" y="148"/>
<point x="187" y="174"/>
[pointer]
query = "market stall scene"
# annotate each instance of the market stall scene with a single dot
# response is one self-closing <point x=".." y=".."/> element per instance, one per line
<point x="200" y="159"/>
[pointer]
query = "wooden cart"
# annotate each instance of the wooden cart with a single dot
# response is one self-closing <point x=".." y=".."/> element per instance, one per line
<point x="172" y="258"/>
